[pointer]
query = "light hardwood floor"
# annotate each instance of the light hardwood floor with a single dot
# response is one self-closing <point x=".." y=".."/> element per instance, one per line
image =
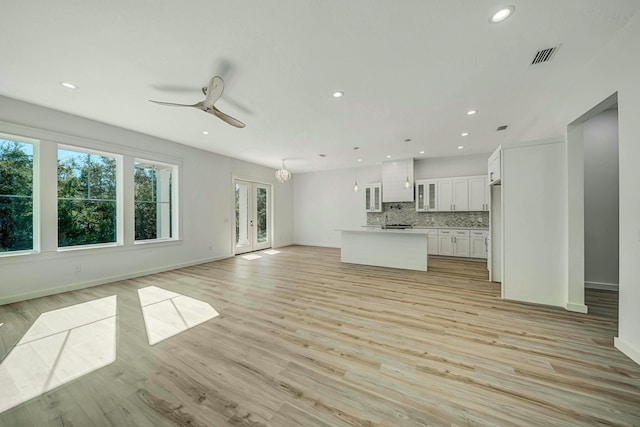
<point x="303" y="340"/>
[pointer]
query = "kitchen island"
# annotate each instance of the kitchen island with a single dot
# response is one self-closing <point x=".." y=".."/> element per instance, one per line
<point x="405" y="249"/>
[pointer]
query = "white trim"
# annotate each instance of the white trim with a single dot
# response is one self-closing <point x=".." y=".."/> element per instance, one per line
<point x="577" y="308"/>
<point x="630" y="351"/>
<point x="602" y="286"/>
<point x="102" y="281"/>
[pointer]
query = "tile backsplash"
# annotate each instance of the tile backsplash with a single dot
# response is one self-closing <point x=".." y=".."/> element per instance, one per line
<point x="405" y="213"/>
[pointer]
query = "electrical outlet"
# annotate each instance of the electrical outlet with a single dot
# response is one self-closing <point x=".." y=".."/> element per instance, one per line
<point x="210" y="248"/>
<point x="78" y="268"/>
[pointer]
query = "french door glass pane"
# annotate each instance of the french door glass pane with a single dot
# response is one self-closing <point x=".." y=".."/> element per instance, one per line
<point x="242" y="214"/>
<point x="261" y="212"/>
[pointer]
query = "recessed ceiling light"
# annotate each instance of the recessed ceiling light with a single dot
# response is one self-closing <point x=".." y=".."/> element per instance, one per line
<point x="471" y="112"/>
<point x="502" y="14"/>
<point x="204" y="132"/>
<point x="460" y="147"/>
<point x="359" y="160"/>
<point x="464" y="134"/>
<point x="69" y="85"/>
<point x="338" y="94"/>
<point x="322" y="155"/>
<point x="388" y="156"/>
<point x="422" y="152"/>
<point x="407" y="140"/>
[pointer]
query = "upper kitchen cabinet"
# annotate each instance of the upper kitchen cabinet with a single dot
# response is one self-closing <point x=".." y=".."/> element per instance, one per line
<point x="394" y="178"/>
<point x="494" y="166"/>
<point x="479" y="193"/>
<point x="373" y="197"/>
<point x="426" y="195"/>
<point x="453" y="194"/>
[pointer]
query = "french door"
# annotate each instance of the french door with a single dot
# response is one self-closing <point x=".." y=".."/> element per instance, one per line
<point x="253" y="216"/>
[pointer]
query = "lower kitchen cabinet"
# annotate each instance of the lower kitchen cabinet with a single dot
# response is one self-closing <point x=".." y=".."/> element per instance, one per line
<point x="478" y="244"/>
<point x="458" y="243"/>
<point x="461" y="243"/>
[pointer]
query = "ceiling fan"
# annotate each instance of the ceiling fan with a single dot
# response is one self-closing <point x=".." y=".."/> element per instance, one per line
<point x="212" y="94"/>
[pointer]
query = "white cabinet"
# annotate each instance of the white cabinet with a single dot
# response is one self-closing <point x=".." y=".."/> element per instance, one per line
<point x="453" y="243"/>
<point x="373" y="197"/>
<point x="494" y="175"/>
<point x="461" y="243"/>
<point x="453" y="194"/>
<point x="432" y="242"/>
<point x="478" y="244"/>
<point x="445" y="242"/>
<point x="479" y="199"/>
<point x="426" y="195"/>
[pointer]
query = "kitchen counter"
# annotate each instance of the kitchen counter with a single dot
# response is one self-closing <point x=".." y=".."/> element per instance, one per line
<point x="421" y="227"/>
<point x="406" y="249"/>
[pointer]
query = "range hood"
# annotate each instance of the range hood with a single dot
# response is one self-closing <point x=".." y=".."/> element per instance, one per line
<point x="394" y="177"/>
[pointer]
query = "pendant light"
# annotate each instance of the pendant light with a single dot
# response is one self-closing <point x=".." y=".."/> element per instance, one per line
<point x="355" y="187"/>
<point x="407" y="184"/>
<point x="283" y="175"/>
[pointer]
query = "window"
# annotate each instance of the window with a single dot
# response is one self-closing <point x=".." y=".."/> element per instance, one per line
<point x="16" y="196"/>
<point x="87" y="206"/>
<point x="154" y="198"/>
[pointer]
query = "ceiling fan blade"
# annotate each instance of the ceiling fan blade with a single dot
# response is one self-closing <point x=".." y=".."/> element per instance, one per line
<point x="214" y="91"/>
<point x="171" y="104"/>
<point x="227" y="118"/>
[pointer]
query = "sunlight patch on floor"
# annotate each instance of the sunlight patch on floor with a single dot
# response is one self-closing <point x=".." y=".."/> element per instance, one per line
<point x="270" y="252"/>
<point x="60" y="346"/>
<point x="251" y="257"/>
<point x="167" y="313"/>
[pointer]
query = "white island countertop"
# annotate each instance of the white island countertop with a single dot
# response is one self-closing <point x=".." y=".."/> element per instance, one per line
<point x="386" y="230"/>
<point x="395" y="248"/>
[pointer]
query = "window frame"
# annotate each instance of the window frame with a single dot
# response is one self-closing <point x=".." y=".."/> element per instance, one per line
<point x="35" y="194"/>
<point x="174" y="207"/>
<point x="119" y="197"/>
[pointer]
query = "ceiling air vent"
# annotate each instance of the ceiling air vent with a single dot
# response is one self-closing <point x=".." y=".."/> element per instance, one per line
<point x="544" y="55"/>
<point x="503" y="127"/>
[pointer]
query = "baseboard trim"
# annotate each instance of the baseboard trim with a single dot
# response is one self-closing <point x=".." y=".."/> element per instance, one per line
<point x="630" y="351"/>
<point x="102" y="281"/>
<point x="577" y="308"/>
<point x="282" y="245"/>
<point x="602" y="286"/>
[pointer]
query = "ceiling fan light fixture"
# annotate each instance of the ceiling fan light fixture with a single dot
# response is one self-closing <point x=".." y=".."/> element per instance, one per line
<point x="283" y="175"/>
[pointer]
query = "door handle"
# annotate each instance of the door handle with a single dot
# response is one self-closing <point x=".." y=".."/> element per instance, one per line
<point x="491" y="176"/>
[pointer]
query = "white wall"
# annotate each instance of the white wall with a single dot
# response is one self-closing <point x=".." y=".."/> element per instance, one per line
<point x="206" y="201"/>
<point x="325" y="201"/>
<point x="534" y="226"/>
<point x="601" y="225"/>
<point x="445" y="167"/>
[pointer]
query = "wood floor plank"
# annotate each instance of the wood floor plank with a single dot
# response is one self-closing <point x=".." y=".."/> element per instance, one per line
<point x="305" y="340"/>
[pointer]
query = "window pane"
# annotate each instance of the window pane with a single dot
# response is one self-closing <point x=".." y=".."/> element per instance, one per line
<point x="16" y="196"/>
<point x="86" y="198"/>
<point x="153" y="201"/>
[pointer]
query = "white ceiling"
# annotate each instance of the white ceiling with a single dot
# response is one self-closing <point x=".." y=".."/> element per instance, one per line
<point x="409" y="69"/>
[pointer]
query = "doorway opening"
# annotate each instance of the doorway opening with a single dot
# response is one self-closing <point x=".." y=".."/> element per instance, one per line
<point x="252" y="226"/>
<point x="593" y="208"/>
